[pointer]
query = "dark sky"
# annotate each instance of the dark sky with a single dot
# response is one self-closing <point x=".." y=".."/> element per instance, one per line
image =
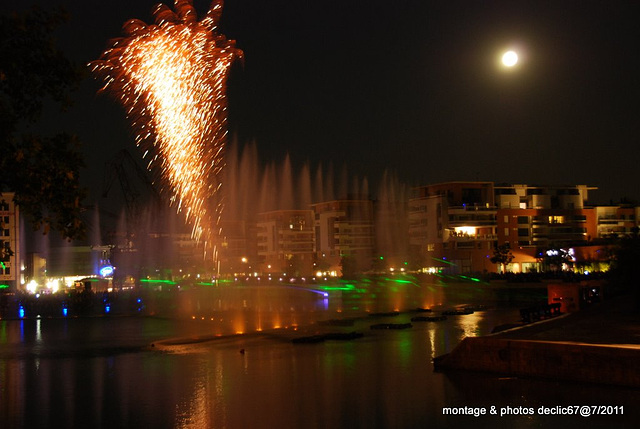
<point x="409" y="86"/>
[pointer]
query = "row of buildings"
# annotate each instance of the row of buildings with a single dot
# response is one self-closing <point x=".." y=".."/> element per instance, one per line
<point x="453" y="226"/>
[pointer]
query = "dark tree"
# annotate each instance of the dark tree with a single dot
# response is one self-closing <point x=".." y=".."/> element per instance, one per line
<point x="349" y="266"/>
<point x="43" y="172"/>
<point x="624" y="266"/>
<point x="502" y="255"/>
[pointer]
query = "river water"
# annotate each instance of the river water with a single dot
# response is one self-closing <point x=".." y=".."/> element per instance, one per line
<point x="196" y="370"/>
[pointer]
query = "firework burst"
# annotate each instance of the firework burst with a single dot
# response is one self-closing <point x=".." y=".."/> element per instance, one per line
<point x="171" y="77"/>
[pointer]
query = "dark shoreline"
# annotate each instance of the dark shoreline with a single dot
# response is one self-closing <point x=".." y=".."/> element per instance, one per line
<point x="600" y="345"/>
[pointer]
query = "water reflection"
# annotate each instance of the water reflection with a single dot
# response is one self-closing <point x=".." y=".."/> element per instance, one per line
<point x="102" y="372"/>
<point x="470" y="324"/>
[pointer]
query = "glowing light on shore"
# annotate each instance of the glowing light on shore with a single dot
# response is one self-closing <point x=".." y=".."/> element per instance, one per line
<point x="171" y="77"/>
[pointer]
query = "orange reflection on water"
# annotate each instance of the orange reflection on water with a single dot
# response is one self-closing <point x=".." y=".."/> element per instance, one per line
<point x="469" y="324"/>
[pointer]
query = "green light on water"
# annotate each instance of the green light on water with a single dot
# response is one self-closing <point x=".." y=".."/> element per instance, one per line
<point x="328" y="288"/>
<point x="473" y="279"/>
<point x="168" y="282"/>
<point x="401" y="281"/>
<point x="4" y="286"/>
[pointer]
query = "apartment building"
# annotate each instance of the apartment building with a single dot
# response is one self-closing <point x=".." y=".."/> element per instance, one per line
<point x="456" y="225"/>
<point x="9" y="242"/>
<point x="452" y="226"/>
<point x="534" y="220"/>
<point x="286" y="242"/>
<point x="239" y="250"/>
<point x="345" y="234"/>
<point x="616" y="221"/>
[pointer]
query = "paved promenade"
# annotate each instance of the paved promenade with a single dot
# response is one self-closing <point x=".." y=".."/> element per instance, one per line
<point x="610" y="322"/>
<point x="600" y="344"/>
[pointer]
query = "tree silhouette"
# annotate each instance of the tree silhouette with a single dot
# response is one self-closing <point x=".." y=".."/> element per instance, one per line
<point x="624" y="267"/>
<point x="42" y="172"/>
<point x="502" y="255"/>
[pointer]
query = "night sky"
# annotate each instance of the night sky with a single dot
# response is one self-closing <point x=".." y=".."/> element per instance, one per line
<point x="413" y="87"/>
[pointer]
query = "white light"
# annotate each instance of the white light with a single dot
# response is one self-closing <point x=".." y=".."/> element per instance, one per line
<point x="466" y="230"/>
<point x="54" y="285"/>
<point x="510" y="59"/>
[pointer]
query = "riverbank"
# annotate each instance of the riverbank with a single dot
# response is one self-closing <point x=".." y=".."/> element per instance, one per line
<point x="600" y="344"/>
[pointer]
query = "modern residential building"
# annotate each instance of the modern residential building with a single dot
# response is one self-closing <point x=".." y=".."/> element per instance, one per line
<point x="452" y="225"/>
<point x="535" y="220"/>
<point x="239" y="251"/>
<point x="345" y="235"/>
<point x="457" y="225"/>
<point x="10" y="252"/>
<point x="286" y="242"/>
<point x="616" y="221"/>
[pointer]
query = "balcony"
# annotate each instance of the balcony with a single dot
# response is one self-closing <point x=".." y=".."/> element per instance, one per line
<point x="474" y="208"/>
<point x="466" y="237"/>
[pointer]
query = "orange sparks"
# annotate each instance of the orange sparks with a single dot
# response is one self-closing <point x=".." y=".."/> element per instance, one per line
<point x="171" y="77"/>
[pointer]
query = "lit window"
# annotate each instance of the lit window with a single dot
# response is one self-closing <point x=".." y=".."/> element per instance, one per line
<point x="556" y="219"/>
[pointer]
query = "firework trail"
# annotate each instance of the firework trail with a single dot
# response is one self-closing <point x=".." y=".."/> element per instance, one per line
<point x="171" y="77"/>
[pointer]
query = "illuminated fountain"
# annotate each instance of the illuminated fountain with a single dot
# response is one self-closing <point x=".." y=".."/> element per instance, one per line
<point x="171" y="77"/>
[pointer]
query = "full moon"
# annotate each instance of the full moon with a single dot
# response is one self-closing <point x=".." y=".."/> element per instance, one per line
<point x="510" y="59"/>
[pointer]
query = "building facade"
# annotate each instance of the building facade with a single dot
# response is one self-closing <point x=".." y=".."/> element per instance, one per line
<point x="10" y="252"/>
<point x="286" y="242"/>
<point x="456" y="226"/>
<point x="345" y="235"/>
<point x="616" y="221"/>
<point x="452" y="226"/>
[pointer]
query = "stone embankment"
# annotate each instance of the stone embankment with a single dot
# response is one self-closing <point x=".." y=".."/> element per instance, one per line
<point x="600" y="344"/>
